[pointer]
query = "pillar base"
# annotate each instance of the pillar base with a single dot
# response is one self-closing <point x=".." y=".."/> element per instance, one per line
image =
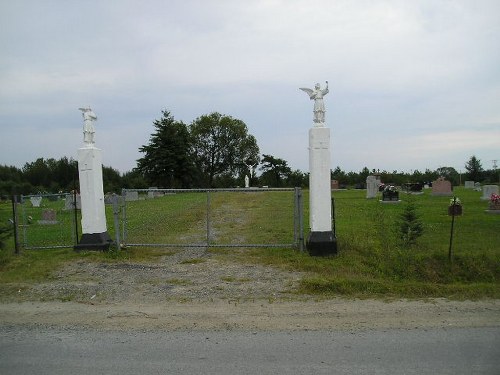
<point x="94" y="241"/>
<point x="321" y="243"/>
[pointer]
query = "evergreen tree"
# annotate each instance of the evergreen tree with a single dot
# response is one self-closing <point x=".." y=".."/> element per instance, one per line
<point x="275" y="170"/>
<point x="474" y="169"/>
<point x="409" y="225"/>
<point x="167" y="161"/>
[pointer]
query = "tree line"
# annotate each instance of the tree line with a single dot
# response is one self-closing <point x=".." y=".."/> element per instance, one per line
<point x="213" y="151"/>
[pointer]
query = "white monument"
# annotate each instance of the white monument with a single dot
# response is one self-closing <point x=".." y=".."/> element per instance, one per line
<point x="488" y="190"/>
<point x="469" y="184"/>
<point x="36" y="200"/>
<point x="372" y="185"/>
<point x="94" y="231"/>
<point x="321" y="240"/>
<point x="247" y="182"/>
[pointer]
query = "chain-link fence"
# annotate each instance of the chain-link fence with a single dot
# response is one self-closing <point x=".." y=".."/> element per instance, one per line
<point x="48" y="221"/>
<point x="212" y="217"/>
<point x="170" y="218"/>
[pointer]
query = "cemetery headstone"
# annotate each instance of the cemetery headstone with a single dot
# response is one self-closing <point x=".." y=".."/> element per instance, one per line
<point x="390" y="195"/>
<point x="36" y="201"/>
<point x="469" y="184"/>
<point x="441" y="187"/>
<point x="131" y="196"/>
<point x="372" y="184"/>
<point x="151" y="193"/>
<point x="70" y="202"/>
<point x="477" y="186"/>
<point x="154" y="193"/>
<point x="413" y="187"/>
<point x="335" y="185"/>
<point x="48" y="217"/>
<point x="488" y="190"/>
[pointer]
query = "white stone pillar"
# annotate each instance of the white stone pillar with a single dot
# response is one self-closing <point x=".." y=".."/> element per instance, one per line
<point x="320" y="213"/>
<point x="321" y="240"/>
<point x="91" y="190"/>
<point x="94" y="229"/>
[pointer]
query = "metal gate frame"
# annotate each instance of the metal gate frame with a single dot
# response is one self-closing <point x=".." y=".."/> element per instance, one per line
<point x="298" y="224"/>
<point x="24" y="224"/>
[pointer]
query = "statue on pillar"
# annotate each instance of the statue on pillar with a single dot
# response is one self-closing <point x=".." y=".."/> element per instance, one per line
<point x="319" y="106"/>
<point x="88" y="125"/>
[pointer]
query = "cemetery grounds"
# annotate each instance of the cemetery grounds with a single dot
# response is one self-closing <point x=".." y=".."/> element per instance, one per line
<point x="372" y="283"/>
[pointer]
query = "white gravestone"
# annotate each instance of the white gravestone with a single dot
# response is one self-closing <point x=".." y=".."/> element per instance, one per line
<point x="372" y="185"/>
<point x="469" y="184"/>
<point x="36" y="200"/>
<point x="247" y="182"/>
<point x="488" y="190"/>
<point x="48" y="217"/>
<point x="70" y="202"/>
<point x="131" y="196"/>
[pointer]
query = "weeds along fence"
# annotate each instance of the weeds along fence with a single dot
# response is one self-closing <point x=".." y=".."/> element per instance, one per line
<point x="249" y="217"/>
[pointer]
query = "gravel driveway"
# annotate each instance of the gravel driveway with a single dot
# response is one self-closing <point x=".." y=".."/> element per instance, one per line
<point x="197" y="289"/>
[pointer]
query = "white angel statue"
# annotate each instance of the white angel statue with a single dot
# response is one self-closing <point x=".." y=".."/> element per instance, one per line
<point x="319" y="107"/>
<point x="88" y="125"/>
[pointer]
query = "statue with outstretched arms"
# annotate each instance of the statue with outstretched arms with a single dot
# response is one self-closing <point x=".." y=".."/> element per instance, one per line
<point x="319" y="106"/>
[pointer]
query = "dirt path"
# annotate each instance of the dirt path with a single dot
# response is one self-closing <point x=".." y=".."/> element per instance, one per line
<point x="258" y="315"/>
<point x="197" y="290"/>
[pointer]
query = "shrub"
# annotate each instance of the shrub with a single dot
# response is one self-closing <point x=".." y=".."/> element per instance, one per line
<point x="409" y="225"/>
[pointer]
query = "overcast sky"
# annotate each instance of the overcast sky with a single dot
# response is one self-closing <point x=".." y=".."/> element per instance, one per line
<point x="413" y="84"/>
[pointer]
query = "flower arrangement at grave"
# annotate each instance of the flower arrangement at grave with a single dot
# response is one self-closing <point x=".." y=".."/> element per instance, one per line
<point x="495" y="202"/>
<point x="390" y="193"/>
<point x="455" y="207"/>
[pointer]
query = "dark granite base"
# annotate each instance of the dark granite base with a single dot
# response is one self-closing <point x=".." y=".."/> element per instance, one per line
<point x="321" y="244"/>
<point x="94" y="241"/>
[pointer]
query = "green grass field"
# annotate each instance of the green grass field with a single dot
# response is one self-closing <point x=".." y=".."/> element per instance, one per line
<point x="371" y="261"/>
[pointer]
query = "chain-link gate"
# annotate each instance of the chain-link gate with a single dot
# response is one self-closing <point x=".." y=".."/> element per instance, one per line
<point x="48" y="221"/>
<point x="250" y="217"/>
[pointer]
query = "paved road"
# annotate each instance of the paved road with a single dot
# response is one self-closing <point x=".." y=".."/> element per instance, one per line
<point x="39" y="350"/>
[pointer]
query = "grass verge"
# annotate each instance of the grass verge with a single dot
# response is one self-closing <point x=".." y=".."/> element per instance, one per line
<point x="371" y="261"/>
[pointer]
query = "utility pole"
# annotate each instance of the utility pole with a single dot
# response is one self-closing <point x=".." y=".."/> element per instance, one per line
<point x="495" y="168"/>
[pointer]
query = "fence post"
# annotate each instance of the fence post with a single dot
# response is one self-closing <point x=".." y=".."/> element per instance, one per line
<point x="300" y="217"/>
<point x="14" y="219"/>
<point x="296" y="217"/>
<point x="208" y="219"/>
<point x="75" y="214"/>
<point x="450" y="259"/>
<point x="124" y="217"/>
<point x="116" y="213"/>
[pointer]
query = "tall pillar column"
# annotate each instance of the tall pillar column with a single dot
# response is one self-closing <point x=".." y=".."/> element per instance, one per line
<point x="321" y="239"/>
<point x="94" y="230"/>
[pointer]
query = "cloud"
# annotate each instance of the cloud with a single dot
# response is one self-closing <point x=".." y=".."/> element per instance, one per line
<point x="403" y="75"/>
